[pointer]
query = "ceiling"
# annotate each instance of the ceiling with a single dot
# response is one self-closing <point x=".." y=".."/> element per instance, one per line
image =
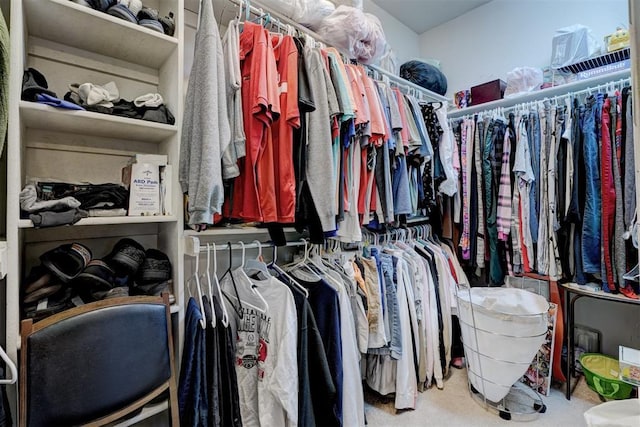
<point x="422" y="15"/>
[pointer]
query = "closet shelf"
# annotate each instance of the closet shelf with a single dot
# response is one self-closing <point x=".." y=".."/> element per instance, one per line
<point x="115" y="220"/>
<point x="71" y="24"/>
<point x="231" y="231"/>
<point x="542" y="94"/>
<point x="40" y="116"/>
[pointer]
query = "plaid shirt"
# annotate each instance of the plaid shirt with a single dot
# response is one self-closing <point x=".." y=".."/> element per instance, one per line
<point x="504" y="190"/>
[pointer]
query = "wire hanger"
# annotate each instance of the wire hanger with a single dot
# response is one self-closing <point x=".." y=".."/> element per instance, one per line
<point x="238" y="310"/>
<point x="275" y="267"/>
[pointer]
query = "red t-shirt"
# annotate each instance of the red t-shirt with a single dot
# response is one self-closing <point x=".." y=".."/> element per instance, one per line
<point x="286" y="56"/>
<point x="254" y="189"/>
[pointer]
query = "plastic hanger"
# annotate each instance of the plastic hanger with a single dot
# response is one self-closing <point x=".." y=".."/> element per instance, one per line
<point x="303" y="263"/>
<point x="253" y="287"/>
<point x="257" y="265"/>
<point x="207" y="276"/>
<point x="11" y="366"/>
<point x="225" y="314"/>
<point x="196" y="278"/>
<point x="239" y="15"/>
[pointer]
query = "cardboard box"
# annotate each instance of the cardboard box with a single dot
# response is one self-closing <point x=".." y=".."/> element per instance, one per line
<point x="143" y="181"/>
<point x="158" y="159"/>
<point x="487" y="92"/>
<point x="166" y="193"/>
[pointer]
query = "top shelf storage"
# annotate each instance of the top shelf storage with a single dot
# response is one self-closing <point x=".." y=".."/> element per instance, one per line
<point x="541" y="94"/>
<point x="68" y="23"/>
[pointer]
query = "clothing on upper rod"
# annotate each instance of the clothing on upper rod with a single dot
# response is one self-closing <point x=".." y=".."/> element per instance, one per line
<point x="551" y="188"/>
<point x="286" y="100"/>
<point x="606" y="87"/>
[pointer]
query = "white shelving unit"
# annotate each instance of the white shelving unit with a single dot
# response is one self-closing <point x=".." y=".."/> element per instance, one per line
<point x="45" y="117"/>
<point x="69" y="43"/>
<point x="26" y="223"/>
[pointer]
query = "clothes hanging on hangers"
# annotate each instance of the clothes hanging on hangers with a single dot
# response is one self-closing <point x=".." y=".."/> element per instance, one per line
<point x="279" y="168"/>
<point x="552" y="197"/>
<point x="205" y="126"/>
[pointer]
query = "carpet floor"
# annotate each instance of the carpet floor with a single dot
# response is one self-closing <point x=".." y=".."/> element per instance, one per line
<point x="453" y="406"/>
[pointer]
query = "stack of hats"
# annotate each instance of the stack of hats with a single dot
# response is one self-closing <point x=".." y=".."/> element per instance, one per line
<point x="68" y="277"/>
<point x="135" y="12"/>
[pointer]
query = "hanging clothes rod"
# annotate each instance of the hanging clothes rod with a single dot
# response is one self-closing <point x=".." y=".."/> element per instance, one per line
<point x="262" y="11"/>
<point x="194" y="248"/>
<point x="406" y="83"/>
<point x="10" y="366"/>
<point x="553" y="94"/>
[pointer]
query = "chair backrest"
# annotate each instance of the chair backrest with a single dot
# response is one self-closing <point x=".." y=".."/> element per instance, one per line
<point x="95" y="363"/>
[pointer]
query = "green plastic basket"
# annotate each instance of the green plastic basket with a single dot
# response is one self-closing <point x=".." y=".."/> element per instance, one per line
<point x="601" y="373"/>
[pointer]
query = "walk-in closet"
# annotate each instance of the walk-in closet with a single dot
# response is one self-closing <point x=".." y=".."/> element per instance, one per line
<point x="270" y="213"/>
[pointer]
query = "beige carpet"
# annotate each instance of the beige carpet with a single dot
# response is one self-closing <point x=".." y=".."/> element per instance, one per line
<point x="453" y="406"/>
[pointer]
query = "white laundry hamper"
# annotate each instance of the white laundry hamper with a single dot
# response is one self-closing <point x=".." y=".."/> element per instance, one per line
<point x="502" y="331"/>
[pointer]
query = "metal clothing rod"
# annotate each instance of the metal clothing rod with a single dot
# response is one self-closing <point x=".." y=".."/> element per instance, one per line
<point x="262" y="10"/>
<point x="407" y="83"/>
<point x="194" y="248"/>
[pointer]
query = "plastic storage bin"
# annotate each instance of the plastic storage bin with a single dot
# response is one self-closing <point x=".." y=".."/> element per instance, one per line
<point x="629" y="360"/>
<point x="618" y="413"/>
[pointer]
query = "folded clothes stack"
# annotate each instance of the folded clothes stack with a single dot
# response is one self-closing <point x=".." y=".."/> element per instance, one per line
<point x="135" y="12"/>
<point x="68" y="276"/>
<point x="49" y="204"/>
<point x="103" y="99"/>
<point x="49" y="213"/>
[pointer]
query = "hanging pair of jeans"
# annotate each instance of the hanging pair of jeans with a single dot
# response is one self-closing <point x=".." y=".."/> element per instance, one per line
<point x="534" y="200"/>
<point x="608" y="194"/>
<point x="493" y="146"/>
<point x="591" y="227"/>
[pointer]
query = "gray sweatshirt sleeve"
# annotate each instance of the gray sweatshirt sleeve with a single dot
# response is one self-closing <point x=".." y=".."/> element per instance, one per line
<point x="320" y="156"/>
<point x="205" y="133"/>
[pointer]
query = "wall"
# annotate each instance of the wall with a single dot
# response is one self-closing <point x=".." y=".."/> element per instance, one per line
<point x="487" y="42"/>
<point x="404" y="41"/>
<point x="471" y="51"/>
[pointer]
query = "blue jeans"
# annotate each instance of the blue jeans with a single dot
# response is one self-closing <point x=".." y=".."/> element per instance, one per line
<point x="493" y="141"/>
<point x="389" y="271"/>
<point x="375" y="254"/>
<point x="193" y="399"/>
<point x="400" y="184"/>
<point x="591" y="227"/>
<point x="535" y="146"/>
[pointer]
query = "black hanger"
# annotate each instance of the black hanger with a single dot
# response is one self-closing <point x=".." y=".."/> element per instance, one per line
<point x="239" y="311"/>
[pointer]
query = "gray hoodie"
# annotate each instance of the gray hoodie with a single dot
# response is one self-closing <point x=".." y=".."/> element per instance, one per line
<point x="205" y="127"/>
<point x="320" y="164"/>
